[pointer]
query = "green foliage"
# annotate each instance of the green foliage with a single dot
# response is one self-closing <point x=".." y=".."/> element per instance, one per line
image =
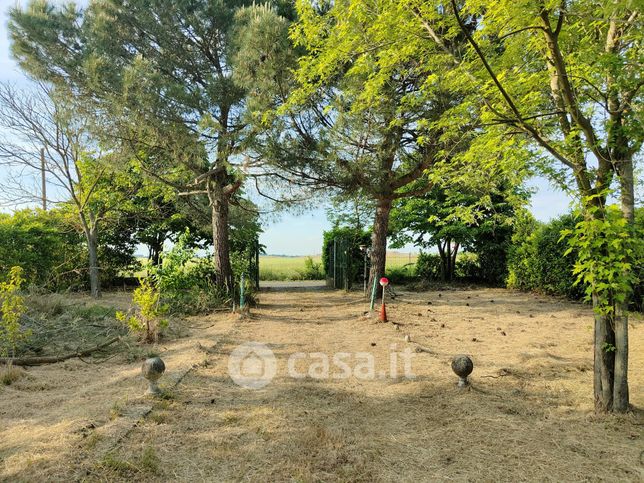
<point x="186" y="283"/>
<point x="354" y="238"/>
<point x="456" y="217"/>
<point x="539" y="260"/>
<point x="145" y="318"/>
<point x="43" y="244"/>
<point x="491" y="248"/>
<point x="468" y="268"/>
<point x="401" y="274"/>
<point x="429" y="267"/>
<point x="312" y="270"/>
<point x="53" y="252"/>
<point x="12" y="309"/>
<point x="351" y="210"/>
<point x="606" y="247"/>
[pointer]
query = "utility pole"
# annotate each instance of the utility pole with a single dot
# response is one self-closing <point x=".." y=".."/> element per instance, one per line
<point x="42" y="179"/>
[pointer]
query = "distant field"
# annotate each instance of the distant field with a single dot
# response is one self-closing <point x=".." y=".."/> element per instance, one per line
<point x="273" y="267"/>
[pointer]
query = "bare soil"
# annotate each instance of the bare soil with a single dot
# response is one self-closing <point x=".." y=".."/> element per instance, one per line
<point x="527" y="415"/>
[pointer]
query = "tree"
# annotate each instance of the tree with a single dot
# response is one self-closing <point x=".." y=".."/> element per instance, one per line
<point x="43" y="119"/>
<point x="355" y="122"/>
<point x="351" y="210"/>
<point x="163" y="77"/>
<point x="452" y="218"/>
<point x="564" y="75"/>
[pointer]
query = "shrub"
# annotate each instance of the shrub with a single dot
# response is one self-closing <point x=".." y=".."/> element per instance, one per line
<point x="538" y="261"/>
<point x="186" y="283"/>
<point x="12" y="309"/>
<point x="311" y="271"/>
<point x="53" y="253"/>
<point x="491" y="247"/>
<point x="402" y="274"/>
<point x="145" y="318"/>
<point x="428" y="267"/>
<point x="243" y="263"/>
<point x="468" y="267"/>
<point x="40" y="243"/>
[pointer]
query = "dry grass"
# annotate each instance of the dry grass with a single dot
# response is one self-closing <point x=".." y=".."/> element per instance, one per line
<point x="527" y="417"/>
<point x="10" y="374"/>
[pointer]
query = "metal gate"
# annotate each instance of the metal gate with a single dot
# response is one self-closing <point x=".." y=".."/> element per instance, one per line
<point x="342" y="263"/>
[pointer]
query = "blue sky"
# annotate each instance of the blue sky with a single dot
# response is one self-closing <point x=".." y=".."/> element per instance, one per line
<point x="301" y="233"/>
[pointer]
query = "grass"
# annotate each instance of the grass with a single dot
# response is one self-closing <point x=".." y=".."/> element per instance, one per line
<point x="10" y="374"/>
<point x="274" y="267"/>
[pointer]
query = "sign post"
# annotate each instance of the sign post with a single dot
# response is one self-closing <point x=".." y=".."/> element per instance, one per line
<point x="384" y="281"/>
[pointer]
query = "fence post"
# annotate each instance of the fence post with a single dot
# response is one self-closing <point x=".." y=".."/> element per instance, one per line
<point x="242" y="300"/>
<point x="335" y="261"/>
<point x="373" y="292"/>
<point x="257" y="264"/>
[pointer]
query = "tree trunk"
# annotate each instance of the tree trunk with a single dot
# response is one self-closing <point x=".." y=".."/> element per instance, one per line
<point x="454" y="252"/>
<point x="221" y="245"/>
<point x="379" y="241"/>
<point x="155" y="248"/>
<point x="604" y="361"/>
<point x="444" y="260"/>
<point x="94" y="275"/>
<point x="620" y="389"/>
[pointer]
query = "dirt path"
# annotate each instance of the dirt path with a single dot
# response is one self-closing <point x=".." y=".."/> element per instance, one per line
<point x="528" y="415"/>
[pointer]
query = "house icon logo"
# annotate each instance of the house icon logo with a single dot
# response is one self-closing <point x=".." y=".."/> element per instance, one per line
<point x="252" y="365"/>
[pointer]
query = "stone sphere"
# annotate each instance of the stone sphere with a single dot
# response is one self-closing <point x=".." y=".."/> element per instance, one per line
<point x="462" y="366"/>
<point x="153" y="368"/>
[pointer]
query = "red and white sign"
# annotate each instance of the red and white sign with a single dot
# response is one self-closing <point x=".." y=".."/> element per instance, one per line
<point x="384" y="281"/>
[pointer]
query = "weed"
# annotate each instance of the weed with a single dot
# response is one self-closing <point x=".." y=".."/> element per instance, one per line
<point x="121" y="467"/>
<point x="10" y="374"/>
<point x="92" y="440"/>
<point x="116" y="411"/>
<point x="149" y="460"/>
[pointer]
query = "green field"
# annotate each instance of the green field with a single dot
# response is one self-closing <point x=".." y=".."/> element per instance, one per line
<point x="274" y="267"/>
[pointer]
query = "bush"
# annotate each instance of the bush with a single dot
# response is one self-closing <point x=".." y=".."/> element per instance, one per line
<point x="468" y="268"/>
<point x="311" y="271"/>
<point x="42" y="245"/>
<point x="402" y="274"/>
<point x="53" y="254"/>
<point x="11" y="311"/>
<point x="537" y="261"/>
<point x="491" y="247"/>
<point x="428" y="267"/>
<point x="187" y="283"/>
<point x="145" y="317"/>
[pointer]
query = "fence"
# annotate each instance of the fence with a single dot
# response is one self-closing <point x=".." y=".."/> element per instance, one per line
<point x="349" y="264"/>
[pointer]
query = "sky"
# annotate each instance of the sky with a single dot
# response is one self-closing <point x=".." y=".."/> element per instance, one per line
<point x="301" y="233"/>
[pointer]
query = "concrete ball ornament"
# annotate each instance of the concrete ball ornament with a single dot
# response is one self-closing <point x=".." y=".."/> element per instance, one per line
<point x="152" y="369"/>
<point x="462" y="366"/>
